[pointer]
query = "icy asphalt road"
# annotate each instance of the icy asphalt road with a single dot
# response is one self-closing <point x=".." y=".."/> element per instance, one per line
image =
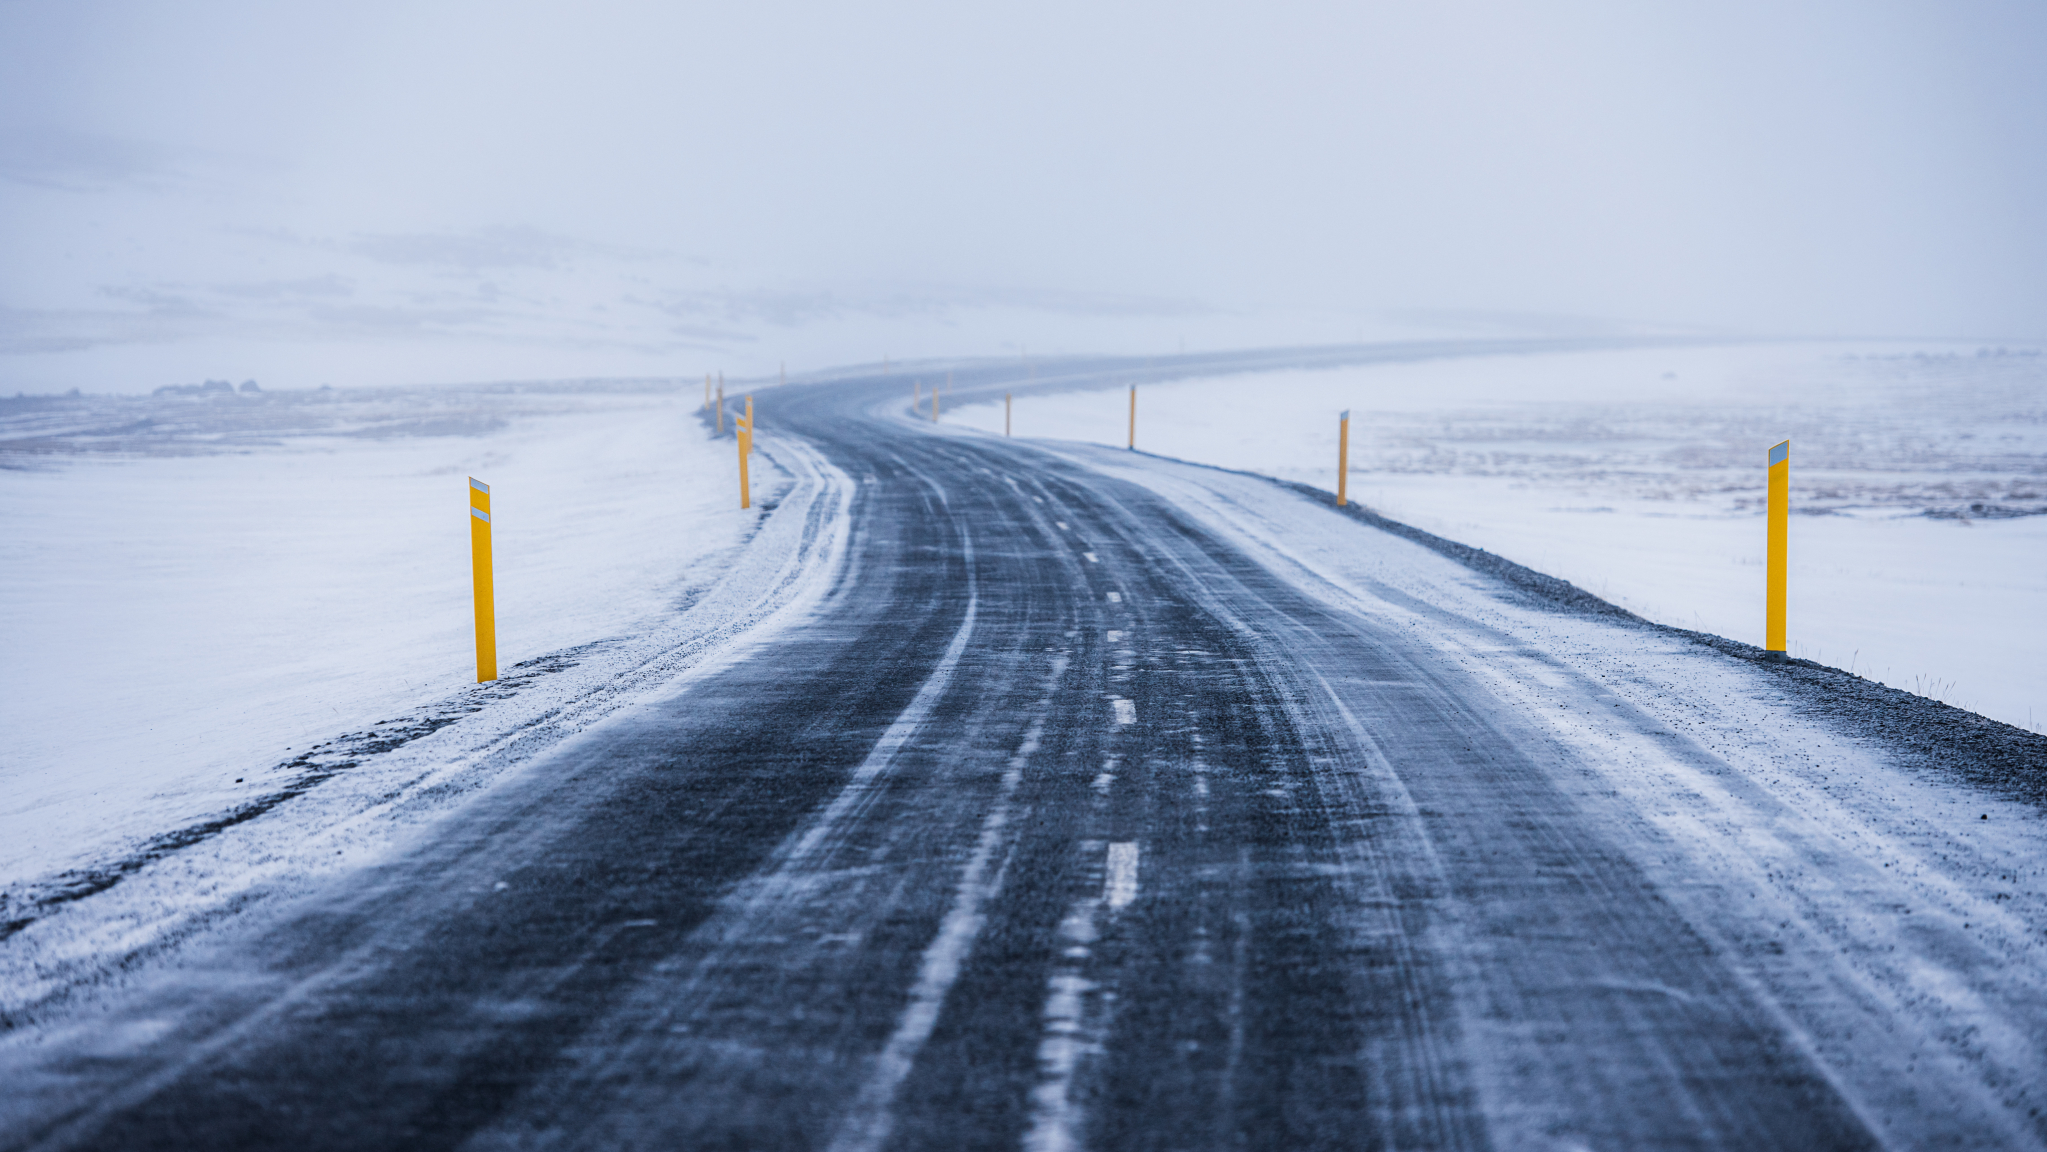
<point x="1067" y="822"/>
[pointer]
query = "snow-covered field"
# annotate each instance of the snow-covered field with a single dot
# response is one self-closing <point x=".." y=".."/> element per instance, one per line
<point x="1919" y="558"/>
<point x="195" y="589"/>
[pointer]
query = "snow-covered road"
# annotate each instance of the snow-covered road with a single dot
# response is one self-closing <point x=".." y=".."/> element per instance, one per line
<point x="1097" y="800"/>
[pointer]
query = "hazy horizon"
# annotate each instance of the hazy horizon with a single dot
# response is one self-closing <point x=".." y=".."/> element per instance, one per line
<point x="382" y="193"/>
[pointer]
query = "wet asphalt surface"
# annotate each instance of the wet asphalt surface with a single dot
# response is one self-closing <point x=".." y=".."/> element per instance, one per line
<point x="1063" y="825"/>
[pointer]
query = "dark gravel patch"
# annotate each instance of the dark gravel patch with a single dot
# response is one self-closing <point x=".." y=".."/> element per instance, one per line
<point x="1981" y="511"/>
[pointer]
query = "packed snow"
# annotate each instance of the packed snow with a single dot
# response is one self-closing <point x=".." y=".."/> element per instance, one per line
<point x="1919" y="477"/>
<point x="1891" y="915"/>
<point x="195" y="589"/>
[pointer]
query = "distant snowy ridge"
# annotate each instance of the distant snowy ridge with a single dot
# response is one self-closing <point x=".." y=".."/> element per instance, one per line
<point x="351" y="799"/>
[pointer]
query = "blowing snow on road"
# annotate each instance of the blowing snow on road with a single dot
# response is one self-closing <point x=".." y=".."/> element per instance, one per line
<point x="1033" y="794"/>
<point x="1031" y="577"/>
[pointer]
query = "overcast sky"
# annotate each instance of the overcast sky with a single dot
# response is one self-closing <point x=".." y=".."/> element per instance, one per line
<point x="377" y="192"/>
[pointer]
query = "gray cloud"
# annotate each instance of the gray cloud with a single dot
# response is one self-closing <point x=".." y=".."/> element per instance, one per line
<point x="34" y="331"/>
<point x="483" y="249"/>
<point x="325" y="287"/>
<point x="79" y="162"/>
<point x="161" y="301"/>
<point x="795" y="308"/>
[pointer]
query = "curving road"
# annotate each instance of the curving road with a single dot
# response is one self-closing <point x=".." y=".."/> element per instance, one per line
<point x="1065" y="824"/>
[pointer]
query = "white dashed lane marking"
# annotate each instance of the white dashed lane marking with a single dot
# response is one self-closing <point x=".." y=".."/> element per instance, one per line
<point x="1126" y="710"/>
<point x="1121" y="886"/>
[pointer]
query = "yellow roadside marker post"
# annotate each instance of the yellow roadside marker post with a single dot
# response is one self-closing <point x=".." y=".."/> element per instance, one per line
<point x="721" y="404"/>
<point x="486" y="595"/>
<point x="749" y="425"/>
<point x="743" y="434"/>
<point x="1777" y="581"/>
<point x="1342" y="455"/>
<point x="1005" y="414"/>
<point x="934" y="405"/>
<point x="1133" y="419"/>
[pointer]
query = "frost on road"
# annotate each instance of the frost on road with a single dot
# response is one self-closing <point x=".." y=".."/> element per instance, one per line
<point x="1051" y="796"/>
